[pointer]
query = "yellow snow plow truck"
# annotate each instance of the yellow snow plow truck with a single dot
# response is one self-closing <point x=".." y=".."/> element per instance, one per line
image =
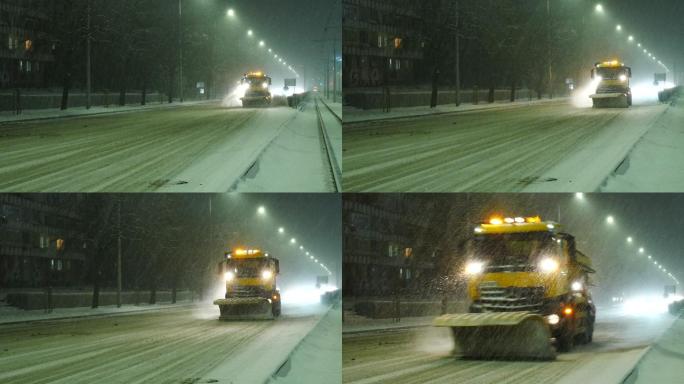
<point x="257" y="90"/>
<point x="528" y="287"/>
<point x="251" y="292"/>
<point x="613" y="85"/>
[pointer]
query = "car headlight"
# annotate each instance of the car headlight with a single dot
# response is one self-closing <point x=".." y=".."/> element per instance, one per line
<point x="548" y="265"/>
<point x="623" y="78"/>
<point x="265" y="85"/>
<point x="474" y="267"/>
<point x="266" y="274"/>
<point x="229" y="276"/>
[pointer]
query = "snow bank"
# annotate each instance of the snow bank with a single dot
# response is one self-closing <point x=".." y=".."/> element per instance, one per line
<point x="318" y="358"/>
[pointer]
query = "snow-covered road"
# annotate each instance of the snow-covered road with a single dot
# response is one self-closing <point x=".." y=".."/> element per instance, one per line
<point x="204" y="148"/>
<point x="423" y="355"/>
<point x="185" y="345"/>
<point x="551" y="147"/>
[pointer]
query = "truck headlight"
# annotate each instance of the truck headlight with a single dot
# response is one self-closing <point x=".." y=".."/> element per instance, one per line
<point x="623" y="78"/>
<point x="576" y="286"/>
<point x="265" y="85"/>
<point x="474" y="267"/>
<point x="552" y="319"/>
<point x="548" y="265"/>
<point x="266" y="274"/>
<point x="229" y="276"/>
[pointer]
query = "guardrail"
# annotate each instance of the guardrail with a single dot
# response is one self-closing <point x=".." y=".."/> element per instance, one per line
<point x="669" y="94"/>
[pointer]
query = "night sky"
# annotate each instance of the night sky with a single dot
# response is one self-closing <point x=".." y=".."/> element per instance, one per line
<point x="294" y="28"/>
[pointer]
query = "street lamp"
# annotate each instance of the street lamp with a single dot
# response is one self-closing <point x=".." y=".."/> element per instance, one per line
<point x="261" y="210"/>
<point x="630" y="38"/>
<point x="618" y="28"/>
<point x="301" y="247"/>
<point x="599" y="8"/>
<point x="281" y="230"/>
<point x="579" y="196"/>
<point x="231" y="12"/>
<point x="610" y="220"/>
<point x="261" y="43"/>
<point x="293" y="241"/>
<point x="629" y="239"/>
<point x="641" y="250"/>
<point x="250" y="33"/>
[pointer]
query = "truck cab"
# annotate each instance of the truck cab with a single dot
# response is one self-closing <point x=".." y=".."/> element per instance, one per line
<point x="257" y="92"/>
<point x="251" y="288"/>
<point x="613" y="89"/>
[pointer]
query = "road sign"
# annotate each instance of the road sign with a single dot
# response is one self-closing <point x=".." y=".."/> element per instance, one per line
<point x="290" y="82"/>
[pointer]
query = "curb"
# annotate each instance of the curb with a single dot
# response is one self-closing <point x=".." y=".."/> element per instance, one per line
<point x="489" y="108"/>
<point x="151" y="108"/>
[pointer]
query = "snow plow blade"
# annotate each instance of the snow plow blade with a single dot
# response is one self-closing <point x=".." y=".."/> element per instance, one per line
<point x="504" y="335"/>
<point x="245" y="309"/>
<point x="610" y="100"/>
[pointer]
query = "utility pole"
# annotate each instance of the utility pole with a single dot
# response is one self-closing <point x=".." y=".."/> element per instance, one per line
<point x="180" y="49"/>
<point x="88" y="68"/>
<point x="548" y="18"/>
<point x="118" y="262"/>
<point x="457" y="23"/>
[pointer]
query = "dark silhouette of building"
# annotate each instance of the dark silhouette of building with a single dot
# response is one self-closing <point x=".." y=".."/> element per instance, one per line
<point x="26" y="45"/>
<point x="41" y="240"/>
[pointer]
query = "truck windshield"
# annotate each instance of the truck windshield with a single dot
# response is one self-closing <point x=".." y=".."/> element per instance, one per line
<point x="514" y="251"/>
<point x="249" y="267"/>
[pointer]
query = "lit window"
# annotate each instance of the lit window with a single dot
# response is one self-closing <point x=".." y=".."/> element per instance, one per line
<point x="397" y="42"/>
<point x="408" y="252"/>
<point x="28" y="44"/>
<point x="60" y="244"/>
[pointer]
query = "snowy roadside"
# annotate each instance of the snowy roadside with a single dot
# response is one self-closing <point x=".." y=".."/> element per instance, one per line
<point x="318" y="356"/>
<point x="355" y="115"/>
<point x="655" y="162"/>
<point x="271" y="349"/>
<point x="663" y="361"/>
<point x="336" y="108"/>
<point x="292" y="161"/>
<point x="12" y="315"/>
<point x="47" y="114"/>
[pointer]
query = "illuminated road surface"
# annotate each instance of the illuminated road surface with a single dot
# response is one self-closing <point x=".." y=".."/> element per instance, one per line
<point x="423" y="355"/>
<point x="185" y="345"/>
<point x="204" y="148"/>
<point x="536" y="147"/>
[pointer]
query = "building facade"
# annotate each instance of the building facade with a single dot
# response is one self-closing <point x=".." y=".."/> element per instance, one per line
<point x="382" y="43"/>
<point x="26" y="46"/>
<point x="41" y="241"/>
<point x="390" y="245"/>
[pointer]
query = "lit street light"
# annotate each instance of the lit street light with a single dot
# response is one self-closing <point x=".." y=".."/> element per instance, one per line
<point x="261" y="210"/>
<point x="230" y="13"/>
<point x="250" y="33"/>
<point x="629" y="239"/>
<point x="599" y="8"/>
<point x="293" y="241"/>
<point x="610" y="220"/>
<point x="281" y="230"/>
<point x="641" y="250"/>
<point x="618" y="28"/>
<point x="579" y="196"/>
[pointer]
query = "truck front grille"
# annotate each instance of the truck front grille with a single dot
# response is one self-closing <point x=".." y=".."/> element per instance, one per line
<point x="509" y="299"/>
<point x="246" y="291"/>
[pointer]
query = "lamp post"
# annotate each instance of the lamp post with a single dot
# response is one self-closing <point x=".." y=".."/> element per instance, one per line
<point x="180" y="49"/>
